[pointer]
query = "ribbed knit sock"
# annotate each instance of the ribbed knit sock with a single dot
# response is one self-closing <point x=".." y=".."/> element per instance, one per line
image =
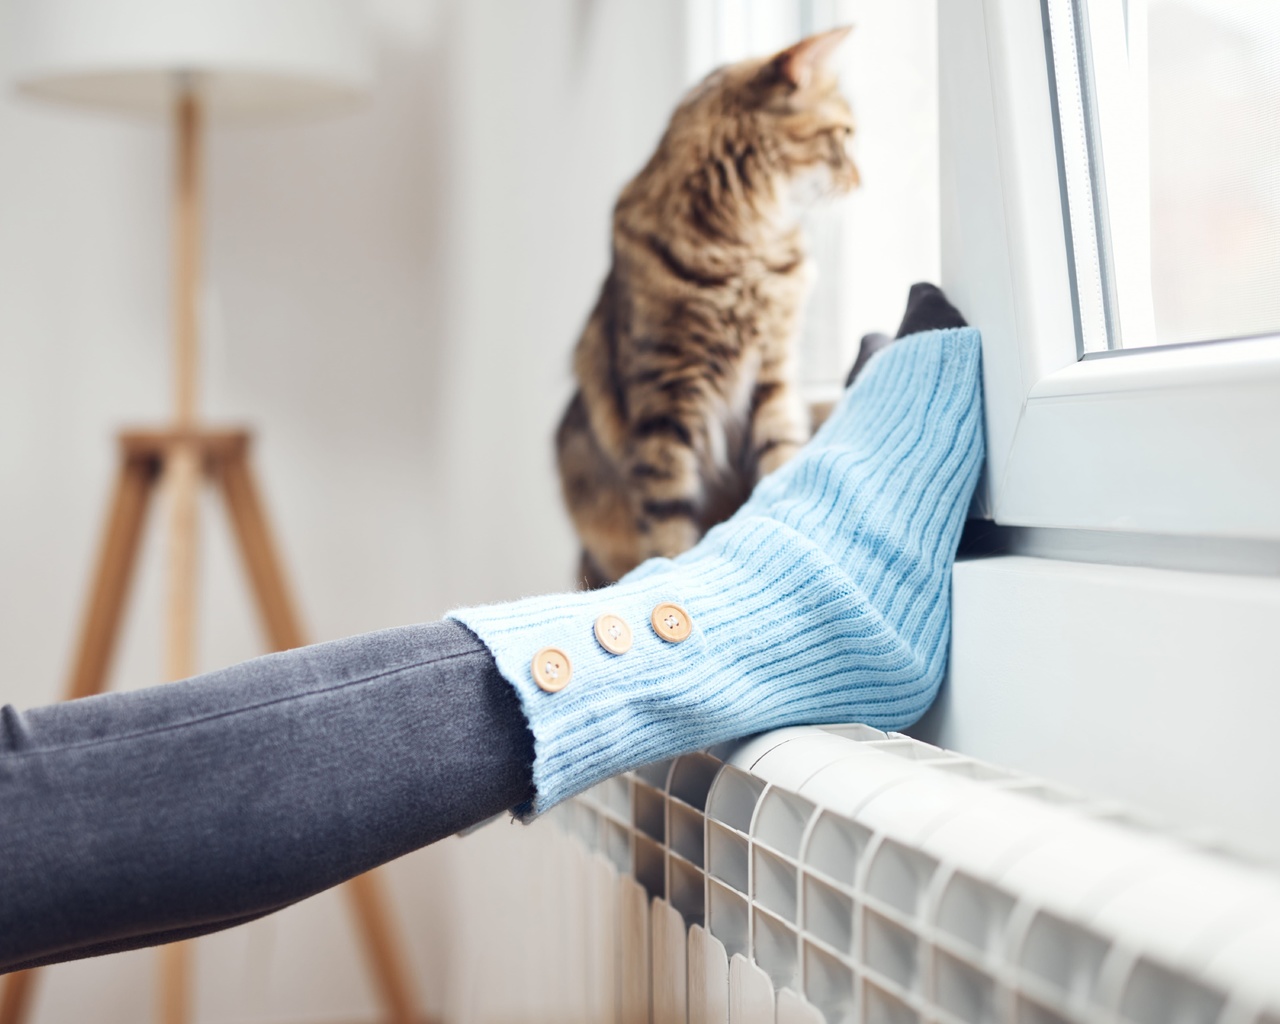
<point x="826" y="598"/>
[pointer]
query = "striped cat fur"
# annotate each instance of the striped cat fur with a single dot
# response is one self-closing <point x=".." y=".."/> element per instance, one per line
<point x="686" y="369"/>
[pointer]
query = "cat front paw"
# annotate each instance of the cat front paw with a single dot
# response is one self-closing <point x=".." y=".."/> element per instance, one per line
<point x="775" y="455"/>
<point x="672" y="537"/>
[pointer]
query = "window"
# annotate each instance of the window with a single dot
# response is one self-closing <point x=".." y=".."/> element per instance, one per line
<point x="1170" y="135"/>
<point x="1046" y="248"/>
<point x="1084" y="664"/>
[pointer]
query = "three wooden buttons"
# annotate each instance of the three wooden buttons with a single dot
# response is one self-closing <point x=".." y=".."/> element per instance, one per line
<point x="552" y="668"/>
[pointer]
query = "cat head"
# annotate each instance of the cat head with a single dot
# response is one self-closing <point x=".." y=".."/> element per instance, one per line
<point x="784" y="112"/>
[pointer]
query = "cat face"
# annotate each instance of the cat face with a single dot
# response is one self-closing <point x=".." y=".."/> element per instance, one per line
<point x="788" y="111"/>
<point x="801" y="107"/>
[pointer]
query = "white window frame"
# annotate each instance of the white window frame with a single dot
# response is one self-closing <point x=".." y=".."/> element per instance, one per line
<point x="1179" y="440"/>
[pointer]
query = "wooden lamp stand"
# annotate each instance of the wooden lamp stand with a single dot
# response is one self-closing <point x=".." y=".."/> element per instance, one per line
<point x="181" y="458"/>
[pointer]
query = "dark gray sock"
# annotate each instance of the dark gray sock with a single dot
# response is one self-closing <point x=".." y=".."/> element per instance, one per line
<point x="871" y="344"/>
<point x="928" y="309"/>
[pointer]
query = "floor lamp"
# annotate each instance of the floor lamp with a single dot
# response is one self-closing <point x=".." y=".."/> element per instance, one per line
<point x="189" y="60"/>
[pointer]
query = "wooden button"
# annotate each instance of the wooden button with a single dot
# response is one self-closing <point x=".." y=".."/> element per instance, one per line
<point x="613" y="633"/>
<point x="671" y="622"/>
<point x="552" y="669"/>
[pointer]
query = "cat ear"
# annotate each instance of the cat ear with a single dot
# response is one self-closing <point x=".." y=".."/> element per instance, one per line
<point x="798" y="63"/>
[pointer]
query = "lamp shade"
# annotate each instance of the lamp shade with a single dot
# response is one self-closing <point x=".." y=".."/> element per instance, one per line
<point x="244" y="57"/>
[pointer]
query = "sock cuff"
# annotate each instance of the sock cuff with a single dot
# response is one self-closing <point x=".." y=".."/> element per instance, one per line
<point x="774" y="639"/>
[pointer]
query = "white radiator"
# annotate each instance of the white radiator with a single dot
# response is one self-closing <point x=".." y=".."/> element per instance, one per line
<point x="815" y="875"/>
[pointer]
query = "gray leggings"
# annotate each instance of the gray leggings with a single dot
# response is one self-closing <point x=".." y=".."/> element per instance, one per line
<point x="132" y="819"/>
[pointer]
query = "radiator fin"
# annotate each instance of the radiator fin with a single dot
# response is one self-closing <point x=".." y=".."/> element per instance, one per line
<point x="846" y="875"/>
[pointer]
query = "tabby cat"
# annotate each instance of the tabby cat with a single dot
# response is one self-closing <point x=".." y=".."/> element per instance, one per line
<point x="686" y="367"/>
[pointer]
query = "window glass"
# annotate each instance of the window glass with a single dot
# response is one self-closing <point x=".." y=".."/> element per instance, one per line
<point x="1176" y="235"/>
<point x="1214" y="108"/>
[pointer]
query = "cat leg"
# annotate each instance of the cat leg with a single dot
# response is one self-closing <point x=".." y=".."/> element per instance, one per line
<point x="590" y="575"/>
<point x="667" y="488"/>
<point x="598" y="501"/>
<point x="779" y="426"/>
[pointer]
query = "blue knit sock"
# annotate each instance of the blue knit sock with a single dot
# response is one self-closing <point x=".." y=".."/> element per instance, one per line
<point x="825" y="598"/>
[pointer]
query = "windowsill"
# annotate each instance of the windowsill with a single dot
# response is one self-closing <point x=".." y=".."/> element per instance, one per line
<point x="1102" y="547"/>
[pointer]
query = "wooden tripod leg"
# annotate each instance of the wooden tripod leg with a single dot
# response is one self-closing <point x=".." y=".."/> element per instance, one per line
<point x="383" y="952"/>
<point x="266" y="572"/>
<point x="182" y="483"/>
<point x="173" y="997"/>
<point x="15" y="1000"/>
<point x="98" y="634"/>
<point x="112" y="578"/>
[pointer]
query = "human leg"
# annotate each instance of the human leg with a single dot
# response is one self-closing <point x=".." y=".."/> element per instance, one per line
<point x="131" y="819"/>
<point x="134" y="818"/>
